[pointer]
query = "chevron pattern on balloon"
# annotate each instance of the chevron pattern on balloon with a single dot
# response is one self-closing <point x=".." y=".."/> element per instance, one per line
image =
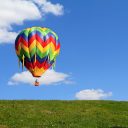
<point x="37" y="49"/>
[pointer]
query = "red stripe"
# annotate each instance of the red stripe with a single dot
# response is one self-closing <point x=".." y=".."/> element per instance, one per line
<point x="58" y="46"/>
<point x="30" y="41"/>
<point x="45" y="64"/>
<point x="42" y="42"/>
<point x="51" y="39"/>
<point x="28" y="65"/>
<point x="23" y="41"/>
<point x="17" y="43"/>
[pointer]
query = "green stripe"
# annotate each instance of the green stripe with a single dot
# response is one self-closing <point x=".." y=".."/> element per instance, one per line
<point x="33" y="51"/>
<point x="41" y="54"/>
<point x="26" y="54"/>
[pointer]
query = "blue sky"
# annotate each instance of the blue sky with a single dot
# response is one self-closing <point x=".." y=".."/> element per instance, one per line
<point x="94" y="51"/>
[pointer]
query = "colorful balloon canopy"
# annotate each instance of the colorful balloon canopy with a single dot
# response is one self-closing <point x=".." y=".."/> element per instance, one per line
<point x="37" y="49"/>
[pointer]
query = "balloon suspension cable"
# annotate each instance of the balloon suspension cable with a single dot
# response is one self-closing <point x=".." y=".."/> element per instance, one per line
<point x="37" y="82"/>
<point x="19" y="62"/>
<point x="54" y="64"/>
<point x="22" y="62"/>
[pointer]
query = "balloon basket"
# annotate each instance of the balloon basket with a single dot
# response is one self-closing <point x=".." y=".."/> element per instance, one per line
<point x="37" y="83"/>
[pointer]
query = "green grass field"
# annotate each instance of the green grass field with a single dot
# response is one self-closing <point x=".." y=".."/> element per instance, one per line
<point x="63" y="114"/>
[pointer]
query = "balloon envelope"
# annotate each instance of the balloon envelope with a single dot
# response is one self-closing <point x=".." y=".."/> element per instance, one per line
<point x="37" y="49"/>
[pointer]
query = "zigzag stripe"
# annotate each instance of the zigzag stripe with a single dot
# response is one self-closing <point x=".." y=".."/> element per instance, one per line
<point x="38" y="40"/>
<point x="37" y="34"/>
<point x="43" y="42"/>
<point x="42" y="32"/>
<point x="36" y="37"/>
<point x="45" y="64"/>
<point x="37" y="49"/>
<point x="39" y="63"/>
<point x="40" y="60"/>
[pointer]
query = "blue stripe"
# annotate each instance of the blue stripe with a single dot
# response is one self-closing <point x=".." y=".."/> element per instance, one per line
<point x="35" y="32"/>
<point x="24" y="37"/>
<point x="39" y="59"/>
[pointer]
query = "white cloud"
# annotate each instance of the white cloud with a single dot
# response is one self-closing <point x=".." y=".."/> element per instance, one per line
<point x="55" y="9"/>
<point x="92" y="94"/>
<point x="50" y="77"/>
<point x="6" y="36"/>
<point x="48" y="7"/>
<point x="17" y="11"/>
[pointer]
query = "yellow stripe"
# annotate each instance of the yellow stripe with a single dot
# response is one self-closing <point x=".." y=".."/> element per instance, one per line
<point x="39" y="46"/>
<point x="54" y="52"/>
<point x="25" y="48"/>
<point x="52" y="46"/>
<point x="35" y="43"/>
<point x="32" y="45"/>
<point x="46" y="48"/>
<point x="57" y="52"/>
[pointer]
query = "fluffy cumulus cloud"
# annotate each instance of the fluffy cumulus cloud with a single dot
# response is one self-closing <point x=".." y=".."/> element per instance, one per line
<point x="92" y="94"/>
<point x="49" y="78"/>
<point x="17" y="11"/>
<point x="48" y="7"/>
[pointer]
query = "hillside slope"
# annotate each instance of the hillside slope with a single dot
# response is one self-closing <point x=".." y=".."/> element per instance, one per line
<point x="63" y="114"/>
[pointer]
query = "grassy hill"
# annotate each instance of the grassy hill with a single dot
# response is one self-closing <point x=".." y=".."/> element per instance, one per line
<point x="63" y="114"/>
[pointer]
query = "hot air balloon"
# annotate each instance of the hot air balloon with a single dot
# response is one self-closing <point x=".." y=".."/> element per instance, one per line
<point x="37" y="49"/>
